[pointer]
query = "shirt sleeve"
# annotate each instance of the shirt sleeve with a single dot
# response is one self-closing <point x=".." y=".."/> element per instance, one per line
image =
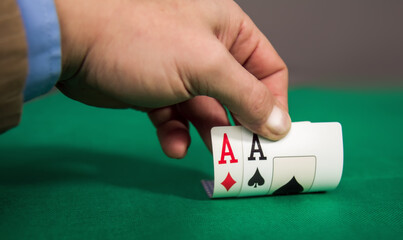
<point x="44" y="50"/>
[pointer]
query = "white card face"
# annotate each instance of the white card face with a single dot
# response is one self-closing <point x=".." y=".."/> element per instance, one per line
<point x="257" y="170"/>
<point x="328" y="142"/>
<point x="228" y="163"/>
<point x="312" y="154"/>
<point x="293" y="174"/>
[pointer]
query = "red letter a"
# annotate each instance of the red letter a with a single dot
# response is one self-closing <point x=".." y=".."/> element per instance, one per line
<point x="229" y="153"/>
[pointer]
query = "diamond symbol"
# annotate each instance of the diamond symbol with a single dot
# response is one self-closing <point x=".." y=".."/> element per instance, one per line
<point x="228" y="182"/>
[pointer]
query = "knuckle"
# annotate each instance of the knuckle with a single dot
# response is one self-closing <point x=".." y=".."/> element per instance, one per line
<point x="209" y="67"/>
<point x="212" y="62"/>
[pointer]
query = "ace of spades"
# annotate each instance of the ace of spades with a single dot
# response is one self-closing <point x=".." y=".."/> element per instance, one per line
<point x="257" y="169"/>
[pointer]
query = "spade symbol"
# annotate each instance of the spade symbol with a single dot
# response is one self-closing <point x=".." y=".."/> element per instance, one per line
<point x="292" y="187"/>
<point x="256" y="179"/>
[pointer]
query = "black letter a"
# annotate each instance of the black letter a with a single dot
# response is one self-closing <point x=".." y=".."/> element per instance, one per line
<point x="258" y="150"/>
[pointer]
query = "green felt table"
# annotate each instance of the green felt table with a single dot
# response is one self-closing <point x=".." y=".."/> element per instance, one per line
<point x="71" y="171"/>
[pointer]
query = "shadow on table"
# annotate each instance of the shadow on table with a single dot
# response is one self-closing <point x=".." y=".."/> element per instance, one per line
<point x="33" y="166"/>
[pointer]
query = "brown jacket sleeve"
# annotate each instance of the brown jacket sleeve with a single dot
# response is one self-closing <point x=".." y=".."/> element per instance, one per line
<point x="13" y="64"/>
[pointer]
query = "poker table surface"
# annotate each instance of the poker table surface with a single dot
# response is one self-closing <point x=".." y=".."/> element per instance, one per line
<point x="71" y="171"/>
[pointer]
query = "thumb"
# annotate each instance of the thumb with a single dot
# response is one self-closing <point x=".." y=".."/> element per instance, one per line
<point x="249" y="100"/>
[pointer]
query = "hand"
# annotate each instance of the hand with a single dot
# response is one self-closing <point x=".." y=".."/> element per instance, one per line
<point x="179" y="61"/>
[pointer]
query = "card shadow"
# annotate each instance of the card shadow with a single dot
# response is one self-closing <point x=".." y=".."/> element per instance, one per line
<point x="44" y="165"/>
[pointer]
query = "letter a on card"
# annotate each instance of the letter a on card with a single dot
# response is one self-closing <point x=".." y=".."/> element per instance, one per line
<point x="228" y="161"/>
<point x="224" y="153"/>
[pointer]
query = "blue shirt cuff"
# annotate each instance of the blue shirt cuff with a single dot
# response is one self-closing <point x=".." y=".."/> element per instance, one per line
<point x="44" y="50"/>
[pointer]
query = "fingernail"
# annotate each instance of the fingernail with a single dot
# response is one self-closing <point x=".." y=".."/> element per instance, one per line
<point x="279" y="122"/>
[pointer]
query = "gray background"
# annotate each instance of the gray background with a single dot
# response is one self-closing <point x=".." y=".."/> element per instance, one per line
<point x="334" y="42"/>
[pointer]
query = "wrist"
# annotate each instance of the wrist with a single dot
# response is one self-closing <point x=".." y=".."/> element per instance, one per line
<point x="74" y="30"/>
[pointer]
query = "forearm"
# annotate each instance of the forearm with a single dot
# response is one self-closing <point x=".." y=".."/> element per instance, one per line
<point x="13" y="64"/>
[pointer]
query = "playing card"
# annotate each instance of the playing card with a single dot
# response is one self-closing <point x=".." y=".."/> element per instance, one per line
<point x="308" y="159"/>
<point x="293" y="174"/>
<point x="328" y="139"/>
<point x="257" y="168"/>
<point x="228" y="161"/>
